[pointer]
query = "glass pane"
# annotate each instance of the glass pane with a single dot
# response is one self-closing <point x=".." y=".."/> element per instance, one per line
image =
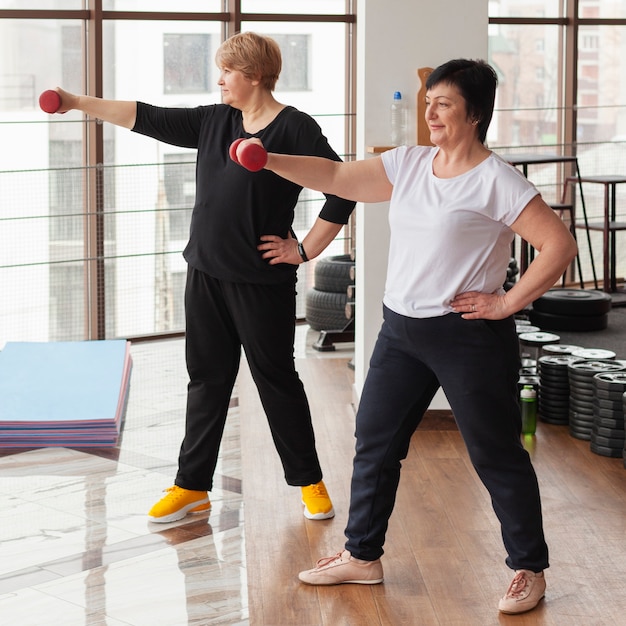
<point x="41" y="192"/>
<point x="24" y="75"/>
<point x="601" y="93"/>
<point x="523" y="8"/>
<point x="181" y="6"/>
<point x="319" y="7"/>
<point x="172" y="64"/>
<point x="526" y="58"/>
<point x="49" y="5"/>
<point x="606" y="10"/>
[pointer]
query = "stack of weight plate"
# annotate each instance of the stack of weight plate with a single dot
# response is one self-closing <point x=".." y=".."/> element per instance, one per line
<point x="607" y="435"/>
<point x="571" y="310"/>
<point x="554" y="390"/>
<point x="581" y="393"/>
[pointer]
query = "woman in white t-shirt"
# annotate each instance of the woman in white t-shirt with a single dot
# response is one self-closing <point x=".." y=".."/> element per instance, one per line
<point x="454" y="210"/>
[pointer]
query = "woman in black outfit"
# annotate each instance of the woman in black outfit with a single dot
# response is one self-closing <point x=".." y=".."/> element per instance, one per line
<point x="239" y="292"/>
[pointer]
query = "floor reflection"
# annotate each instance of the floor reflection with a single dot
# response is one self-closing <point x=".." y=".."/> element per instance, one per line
<point x="75" y="543"/>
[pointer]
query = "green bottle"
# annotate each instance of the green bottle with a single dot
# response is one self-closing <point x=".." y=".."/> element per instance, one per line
<point x="528" y="398"/>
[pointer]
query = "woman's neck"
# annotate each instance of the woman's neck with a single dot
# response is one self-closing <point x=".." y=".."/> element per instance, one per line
<point x="260" y="114"/>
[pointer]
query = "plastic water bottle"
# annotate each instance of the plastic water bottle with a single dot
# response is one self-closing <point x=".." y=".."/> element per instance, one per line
<point x="398" y="121"/>
<point x="528" y="398"/>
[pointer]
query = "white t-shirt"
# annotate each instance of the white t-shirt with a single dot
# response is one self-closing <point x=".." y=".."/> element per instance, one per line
<point x="448" y="235"/>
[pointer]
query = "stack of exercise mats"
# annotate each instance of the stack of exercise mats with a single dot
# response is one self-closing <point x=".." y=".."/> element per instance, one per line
<point x="581" y="388"/>
<point x="70" y="394"/>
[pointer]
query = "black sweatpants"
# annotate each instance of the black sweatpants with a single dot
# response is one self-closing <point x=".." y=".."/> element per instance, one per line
<point x="476" y="362"/>
<point x="221" y="317"/>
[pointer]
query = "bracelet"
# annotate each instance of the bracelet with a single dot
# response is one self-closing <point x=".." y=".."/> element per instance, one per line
<point x="302" y="253"/>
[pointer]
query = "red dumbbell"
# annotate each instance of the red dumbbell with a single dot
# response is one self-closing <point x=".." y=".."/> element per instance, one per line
<point x="50" y="101"/>
<point x="232" y="151"/>
<point x="252" y="156"/>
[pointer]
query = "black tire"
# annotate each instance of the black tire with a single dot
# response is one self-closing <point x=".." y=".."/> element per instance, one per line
<point x="332" y="273"/>
<point x="573" y="302"/>
<point x="326" y="310"/>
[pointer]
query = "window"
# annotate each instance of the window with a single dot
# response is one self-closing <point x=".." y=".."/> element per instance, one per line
<point x="187" y="63"/>
<point x="296" y="60"/>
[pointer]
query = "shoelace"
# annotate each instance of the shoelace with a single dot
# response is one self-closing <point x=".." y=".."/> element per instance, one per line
<point x="175" y="491"/>
<point x="518" y="585"/>
<point x="317" y="491"/>
<point x="327" y="560"/>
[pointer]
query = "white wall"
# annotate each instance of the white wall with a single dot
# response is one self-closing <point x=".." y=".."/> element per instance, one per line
<point x="395" y="38"/>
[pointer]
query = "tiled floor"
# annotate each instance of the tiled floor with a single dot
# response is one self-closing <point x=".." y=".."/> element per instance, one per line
<point x="75" y="544"/>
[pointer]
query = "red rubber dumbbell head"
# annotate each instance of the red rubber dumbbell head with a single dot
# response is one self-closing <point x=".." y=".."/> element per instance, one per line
<point x="232" y="151"/>
<point x="252" y="156"/>
<point x="50" y="101"/>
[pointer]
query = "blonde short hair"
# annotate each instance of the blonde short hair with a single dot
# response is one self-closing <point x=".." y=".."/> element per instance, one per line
<point x="257" y="57"/>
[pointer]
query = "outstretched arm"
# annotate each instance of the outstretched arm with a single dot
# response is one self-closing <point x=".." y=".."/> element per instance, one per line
<point x="361" y="181"/>
<point x="119" y="112"/>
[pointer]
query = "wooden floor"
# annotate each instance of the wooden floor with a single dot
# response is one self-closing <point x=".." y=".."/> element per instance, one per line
<point x="444" y="559"/>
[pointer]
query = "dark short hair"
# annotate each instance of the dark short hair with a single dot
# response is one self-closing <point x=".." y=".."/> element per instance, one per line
<point x="476" y="80"/>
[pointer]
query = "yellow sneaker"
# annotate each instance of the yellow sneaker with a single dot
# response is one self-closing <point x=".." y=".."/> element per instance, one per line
<point x="317" y="504"/>
<point x="177" y="502"/>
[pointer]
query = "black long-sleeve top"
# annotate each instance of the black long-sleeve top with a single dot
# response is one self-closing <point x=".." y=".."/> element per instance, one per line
<point x="233" y="206"/>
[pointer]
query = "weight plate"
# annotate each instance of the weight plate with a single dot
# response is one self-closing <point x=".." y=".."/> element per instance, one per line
<point x="613" y="381"/>
<point x="577" y="388"/>
<point x="558" y="361"/>
<point x="552" y="417"/>
<point x="552" y="382"/>
<point x="605" y="413"/>
<point x="609" y="442"/>
<point x="555" y="349"/>
<point x="584" y="402"/>
<point x="551" y="400"/>
<point x="527" y="328"/>
<point x="595" y="366"/>
<point x="605" y="394"/>
<point x="604" y="403"/>
<point x="554" y="421"/>
<point x="606" y="422"/>
<point x="574" y="302"/>
<point x="547" y="378"/>
<point x="604" y="451"/>
<point x="594" y="354"/>
<point x="553" y="397"/>
<point x="614" y="434"/>
<point x="585" y="436"/>
<point x="539" y="338"/>
<point x="554" y="404"/>
<point x="571" y="323"/>
<point x="580" y="417"/>
<point x="559" y="349"/>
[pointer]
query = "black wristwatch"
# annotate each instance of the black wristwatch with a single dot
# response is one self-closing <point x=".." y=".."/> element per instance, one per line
<point x="302" y="253"/>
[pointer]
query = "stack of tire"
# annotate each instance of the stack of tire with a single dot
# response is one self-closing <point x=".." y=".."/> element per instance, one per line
<point x="575" y="310"/>
<point x="327" y="301"/>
